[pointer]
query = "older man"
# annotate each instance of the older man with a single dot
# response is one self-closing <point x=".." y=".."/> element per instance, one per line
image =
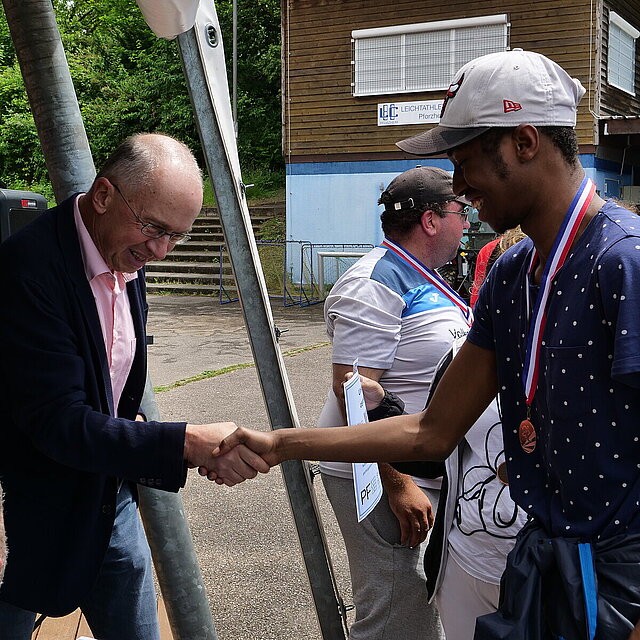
<point x="72" y="445"/>
<point x="557" y="334"/>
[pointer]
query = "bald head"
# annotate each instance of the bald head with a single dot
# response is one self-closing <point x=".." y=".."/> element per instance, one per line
<point x="141" y="156"/>
<point x="148" y="192"/>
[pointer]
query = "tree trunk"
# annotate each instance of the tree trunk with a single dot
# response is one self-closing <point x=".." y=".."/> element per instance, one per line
<point x="52" y="98"/>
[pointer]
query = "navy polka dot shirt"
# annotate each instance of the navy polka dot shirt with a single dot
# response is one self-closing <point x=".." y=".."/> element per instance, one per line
<point x="583" y="478"/>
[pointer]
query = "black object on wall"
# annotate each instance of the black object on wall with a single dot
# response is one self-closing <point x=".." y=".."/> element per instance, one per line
<point x="18" y="209"/>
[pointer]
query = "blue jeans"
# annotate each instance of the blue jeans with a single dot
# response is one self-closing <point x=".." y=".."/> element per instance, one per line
<point x="122" y="603"/>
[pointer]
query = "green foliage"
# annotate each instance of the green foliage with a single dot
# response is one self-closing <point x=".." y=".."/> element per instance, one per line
<point x="272" y="258"/>
<point x="261" y="184"/>
<point x="209" y="199"/>
<point x="21" y="159"/>
<point x="272" y="230"/>
<point x="264" y="184"/>
<point x="127" y="81"/>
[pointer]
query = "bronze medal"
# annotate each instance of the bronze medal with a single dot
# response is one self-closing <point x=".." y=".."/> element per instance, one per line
<point x="502" y="473"/>
<point x="527" y="435"/>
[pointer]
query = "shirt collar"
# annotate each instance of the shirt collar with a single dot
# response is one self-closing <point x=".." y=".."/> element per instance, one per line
<point x="94" y="264"/>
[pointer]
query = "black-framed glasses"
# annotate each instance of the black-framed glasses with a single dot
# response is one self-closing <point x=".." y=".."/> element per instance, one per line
<point x="153" y="230"/>
<point x="465" y="213"/>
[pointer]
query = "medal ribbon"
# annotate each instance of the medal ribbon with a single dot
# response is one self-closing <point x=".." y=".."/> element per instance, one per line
<point x="561" y="246"/>
<point x="434" y="278"/>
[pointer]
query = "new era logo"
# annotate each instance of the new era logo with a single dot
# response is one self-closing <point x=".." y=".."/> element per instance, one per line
<point x="509" y="105"/>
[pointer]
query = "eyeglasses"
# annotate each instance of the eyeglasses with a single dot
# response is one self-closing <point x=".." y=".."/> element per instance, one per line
<point x="153" y="230"/>
<point x="465" y="213"/>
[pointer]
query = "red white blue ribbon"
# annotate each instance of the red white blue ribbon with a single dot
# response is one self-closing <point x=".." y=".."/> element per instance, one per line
<point x="559" y="252"/>
<point x="434" y="278"/>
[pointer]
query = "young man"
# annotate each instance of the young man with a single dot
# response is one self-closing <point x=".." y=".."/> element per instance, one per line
<point x="3" y="539"/>
<point x="72" y="447"/>
<point x="556" y="334"/>
<point x="477" y="521"/>
<point x="393" y="313"/>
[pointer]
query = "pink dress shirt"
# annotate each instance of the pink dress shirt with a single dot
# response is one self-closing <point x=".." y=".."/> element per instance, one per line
<point x="112" y="302"/>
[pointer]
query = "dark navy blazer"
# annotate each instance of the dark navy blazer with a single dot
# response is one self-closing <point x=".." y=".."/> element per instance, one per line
<point x="61" y="450"/>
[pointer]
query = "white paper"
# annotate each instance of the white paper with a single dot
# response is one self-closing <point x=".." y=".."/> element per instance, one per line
<point x="367" y="484"/>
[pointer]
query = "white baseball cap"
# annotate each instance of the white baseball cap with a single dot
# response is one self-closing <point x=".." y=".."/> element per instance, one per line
<point x="502" y="89"/>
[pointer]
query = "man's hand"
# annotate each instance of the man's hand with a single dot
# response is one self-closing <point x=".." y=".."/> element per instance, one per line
<point x="372" y="390"/>
<point x="635" y="634"/>
<point x="239" y="465"/>
<point x="409" y="504"/>
<point x="260" y="444"/>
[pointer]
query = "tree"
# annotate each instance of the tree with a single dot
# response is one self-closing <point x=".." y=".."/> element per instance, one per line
<point x="259" y="65"/>
<point x="127" y="80"/>
<point x="21" y="159"/>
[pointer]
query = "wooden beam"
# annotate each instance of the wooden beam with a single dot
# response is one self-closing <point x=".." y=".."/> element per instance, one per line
<point x="628" y="126"/>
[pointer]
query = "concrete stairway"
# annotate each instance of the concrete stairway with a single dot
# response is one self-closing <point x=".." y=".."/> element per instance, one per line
<point x="194" y="267"/>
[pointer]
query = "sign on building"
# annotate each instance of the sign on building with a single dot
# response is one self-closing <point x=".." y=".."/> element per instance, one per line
<point x="420" y="112"/>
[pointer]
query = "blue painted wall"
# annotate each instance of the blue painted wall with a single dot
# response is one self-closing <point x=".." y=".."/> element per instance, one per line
<point x="336" y="202"/>
<point x="606" y="175"/>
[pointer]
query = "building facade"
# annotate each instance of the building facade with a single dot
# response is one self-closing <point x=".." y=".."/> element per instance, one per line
<point x="359" y="75"/>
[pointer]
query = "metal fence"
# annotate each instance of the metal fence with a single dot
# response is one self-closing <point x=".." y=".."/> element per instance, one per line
<point x="296" y="272"/>
<point x="302" y="273"/>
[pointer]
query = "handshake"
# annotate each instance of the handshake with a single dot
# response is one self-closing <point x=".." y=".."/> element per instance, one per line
<point x="228" y="454"/>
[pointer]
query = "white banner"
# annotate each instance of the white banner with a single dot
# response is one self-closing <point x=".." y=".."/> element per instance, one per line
<point x="169" y="18"/>
<point x="420" y="112"/>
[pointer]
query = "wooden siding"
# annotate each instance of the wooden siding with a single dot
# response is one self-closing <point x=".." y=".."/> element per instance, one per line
<point x="614" y="101"/>
<point x="324" y="121"/>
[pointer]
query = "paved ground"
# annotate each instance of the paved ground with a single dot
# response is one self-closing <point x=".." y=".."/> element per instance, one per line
<point x="244" y="536"/>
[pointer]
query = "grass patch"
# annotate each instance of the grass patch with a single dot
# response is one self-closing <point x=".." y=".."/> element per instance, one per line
<point x="209" y="198"/>
<point x="266" y="184"/>
<point x="272" y="230"/>
<point x="205" y="375"/>
<point x="272" y="256"/>
<point x="272" y="262"/>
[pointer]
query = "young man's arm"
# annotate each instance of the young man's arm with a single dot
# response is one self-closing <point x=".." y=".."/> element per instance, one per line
<point x="466" y="389"/>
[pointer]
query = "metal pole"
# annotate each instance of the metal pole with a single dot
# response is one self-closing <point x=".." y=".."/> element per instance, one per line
<point x="257" y="316"/>
<point x="52" y="98"/>
<point x="65" y="146"/>
<point x="234" y="75"/>
<point x="174" y="557"/>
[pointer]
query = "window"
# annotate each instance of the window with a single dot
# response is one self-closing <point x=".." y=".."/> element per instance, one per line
<point x="422" y="57"/>
<point x="621" y="71"/>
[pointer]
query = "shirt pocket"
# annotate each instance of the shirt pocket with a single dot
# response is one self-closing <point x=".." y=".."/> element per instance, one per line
<point x="568" y="383"/>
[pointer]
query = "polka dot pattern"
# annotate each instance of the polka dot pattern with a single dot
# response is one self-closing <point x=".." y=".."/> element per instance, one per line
<point x="583" y="477"/>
